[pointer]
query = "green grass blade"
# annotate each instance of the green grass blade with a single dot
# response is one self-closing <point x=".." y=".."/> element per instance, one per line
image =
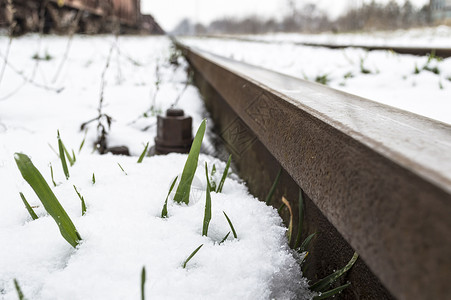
<point x="301" y="219"/>
<point x="207" y="214"/>
<point x="143" y="283"/>
<point x="73" y="156"/>
<point x="48" y="199"/>
<point x="33" y="215"/>
<point x="282" y="206"/>
<point x="69" y="158"/>
<point x="122" y="168"/>
<point x="93" y="178"/>
<point x="51" y="175"/>
<point x="231" y="225"/>
<point x="224" y="175"/>
<point x="18" y="290"/>
<point x="83" y="204"/>
<point x="143" y="154"/>
<point x="306" y="242"/>
<point x="191" y="256"/>
<point x="273" y="187"/>
<point x="332" y="292"/>
<point x="164" y="212"/>
<point x="83" y="141"/>
<point x="327" y="281"/>
<point x="62" y="156"/>
<point x="225" y="238"/>
<point x="183" y="190"/>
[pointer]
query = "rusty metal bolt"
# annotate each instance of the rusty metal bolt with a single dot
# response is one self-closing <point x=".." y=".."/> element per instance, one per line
<point x="174" y="132"/>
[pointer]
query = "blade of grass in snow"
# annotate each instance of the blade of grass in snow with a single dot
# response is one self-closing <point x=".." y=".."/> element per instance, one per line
<point x="83" y="204"/>
<point x="62" y="156"/>
<point x="33" y="215"/>
<point x="224" y="175"/>
<point x="231" y="225"/>
<point x="53" y="149"/>
<point x="290" y="225"/>
<point x="183" y="190"/>
<point x="306" y="242"/>
<point x="143" y="282"/>
<point x="122" y="168"/>
<point x="323" y="284"/>
<point x="69" y="158"/>
<point x="207" y="215"/>
<point x="225" y="238"/>
<point x="191" y="256"/>
<point x="18" y="290"/>
<point x="332" y="292"/>
<point x="212" y="182"/>
<point x="164" y="212"/>
<point x="48" y="199"/>
<point x="83" y="141"/>
<point x="93" y="178"/>
<point x="51" y="175"/>
<point x="273" y="188"/>
<point x="280" y="208"/>
<point x="143" y="154"/>
<point x="301" y="219"/>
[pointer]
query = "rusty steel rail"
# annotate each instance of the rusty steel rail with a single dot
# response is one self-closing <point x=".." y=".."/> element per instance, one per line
<point x="381" y="176"/>
<point x="442" y="52"/>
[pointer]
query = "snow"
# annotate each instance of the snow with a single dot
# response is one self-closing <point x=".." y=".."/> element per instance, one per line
<point x="122" y="230"/>
<point x="438" y="37"/>
<point x="390" y="77"/>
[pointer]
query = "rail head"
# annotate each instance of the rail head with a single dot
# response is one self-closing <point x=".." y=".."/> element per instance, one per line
<point x="380" y="175"/>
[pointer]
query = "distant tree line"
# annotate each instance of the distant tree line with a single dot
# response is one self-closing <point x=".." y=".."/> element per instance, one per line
<point x="309" y="19"/>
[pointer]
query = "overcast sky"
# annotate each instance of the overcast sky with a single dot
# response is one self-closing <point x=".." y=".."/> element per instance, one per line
<point x="169" y="13"/>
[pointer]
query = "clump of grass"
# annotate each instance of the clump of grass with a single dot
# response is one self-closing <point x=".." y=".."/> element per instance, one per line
<point x="322" y="285"/>
<point x="33" y="215"/>
<point x="83" y="204"/>
<point x="191" y="256"/>
<point x="363" y="69"/>
<point x="231" y="226"/>
<point x="143" y="282"/>
<point x="323" y="79"/>
<point x="164" y="212"/>
<point x="143" y="154"/>
<point x="224" y="175"/>
<point x="48" y="199"/>
<point x="273" y="187"/>
<point x="45" y="57"/>
<point x="432" y="58"/>
<point x="184" y="187"/>
<point x="122" y="168"/>
<point x="207" y="214"/>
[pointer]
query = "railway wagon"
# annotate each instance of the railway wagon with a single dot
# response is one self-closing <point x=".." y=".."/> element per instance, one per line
<point x="59" y="16"/>
<point x="126" y="11"/>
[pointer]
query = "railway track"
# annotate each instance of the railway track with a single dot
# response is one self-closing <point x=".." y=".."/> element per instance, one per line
<point x="375" y="178"/>
<point x="442" y="52"/>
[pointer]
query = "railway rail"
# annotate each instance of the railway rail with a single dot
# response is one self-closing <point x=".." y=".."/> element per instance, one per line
<point x="375" y="179"/>
<point x="442" y="52"/>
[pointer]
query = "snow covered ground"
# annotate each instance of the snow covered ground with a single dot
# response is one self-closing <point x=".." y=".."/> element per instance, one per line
<point x="404" y="81"/>
<point x="418" y="37"/>
<point x="122" y="230"/>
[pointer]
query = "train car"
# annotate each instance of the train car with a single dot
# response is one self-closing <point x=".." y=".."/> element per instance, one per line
<point x="83" y="16"/>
